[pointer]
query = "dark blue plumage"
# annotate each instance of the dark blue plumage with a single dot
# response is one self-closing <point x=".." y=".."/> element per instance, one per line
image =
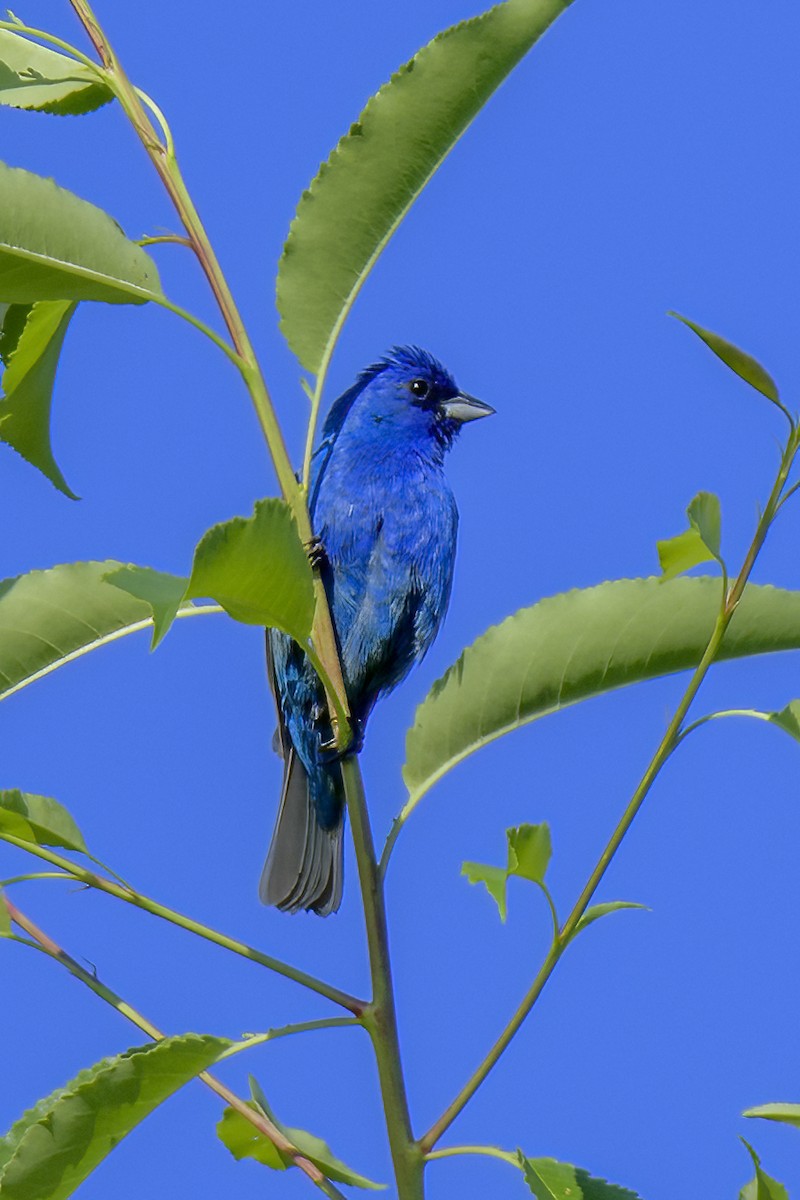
<point x="387" y="521"/>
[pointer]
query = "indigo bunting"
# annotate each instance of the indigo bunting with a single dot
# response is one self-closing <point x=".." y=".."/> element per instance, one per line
<point x="386" y="522"/>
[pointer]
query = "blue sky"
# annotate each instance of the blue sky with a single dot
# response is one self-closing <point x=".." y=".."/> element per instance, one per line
<point x="642" y="158"/>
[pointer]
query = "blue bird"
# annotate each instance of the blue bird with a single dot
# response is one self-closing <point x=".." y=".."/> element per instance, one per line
<point x="386" y="521"/>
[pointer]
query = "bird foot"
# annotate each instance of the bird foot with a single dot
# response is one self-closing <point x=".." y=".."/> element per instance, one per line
<point x="331" y="754"/>
<point x="317" y="556"/>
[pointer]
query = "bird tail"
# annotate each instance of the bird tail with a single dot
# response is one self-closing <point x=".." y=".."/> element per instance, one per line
<point x="304" y="867"/>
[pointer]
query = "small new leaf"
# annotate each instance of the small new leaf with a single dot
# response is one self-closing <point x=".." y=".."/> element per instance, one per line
<point x="30" y="346"/>
<point x="493" y="878"/>
<point x="788" y="719"/>
<point x="244" y="1141"/>
<point x="741" y="363"/>
<point x="552" y="1180"/>
<point x="705" y="516"/>
<point x="699" y="543"/>
<point x="39" y="820"/>
<point x="39" y="79"/>
<point x="529" y="851"/>
<point x="763" y="1187"/>
<point x="596" y="911"/>
<point x="787" y="1114"/>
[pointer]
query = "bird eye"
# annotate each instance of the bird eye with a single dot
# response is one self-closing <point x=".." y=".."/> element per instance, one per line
<point x="420" y="388"/>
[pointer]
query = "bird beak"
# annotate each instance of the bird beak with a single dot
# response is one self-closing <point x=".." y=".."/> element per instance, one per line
<point x="463" y="408"/>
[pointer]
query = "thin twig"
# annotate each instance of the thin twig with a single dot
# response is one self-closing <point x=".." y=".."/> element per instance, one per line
<point x="90" y="879"/>
<point x="666" y="747"/>
<point x="256" y="1118"/>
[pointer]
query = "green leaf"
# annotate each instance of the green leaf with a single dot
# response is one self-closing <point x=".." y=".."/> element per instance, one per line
<point x="596" y="911"/>
<point x="552" y="1180"/>
<point x="787" y="1114"/>
<point x="258" y="570"/>
<point x="763" y="1187"/>
<point x="48" y="1153"/>
<point x="55" y="246"/>
<point x="529" y="851"/>
<point x="742" y="364"/>
<point x="163" y="593"/>
<point x="788" y="719"/>
<point x="376" y="172"/>
<point x="28" y="386"/>
<point x="705" y="516"/>
<point x="577" y="645"/>
<point x="244" y="1141"/>
<point x="49" y="618"/>
<point x="14" y="318"/>
<point x="36" y="78"/>
<point x="699" y="543"/>
<point x="39" y="820"/>
<point x="494" y="879"/>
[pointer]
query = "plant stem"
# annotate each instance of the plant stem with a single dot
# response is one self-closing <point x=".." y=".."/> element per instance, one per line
<point x="90" y="879"/>
<point x="666" y="746"/>
<point x="380" y="1016"/>
<point x="487" y="1151"/>
<point x="258" y="1119"/>
<point x="163" y="158"/>
<point x="753" y="713"/>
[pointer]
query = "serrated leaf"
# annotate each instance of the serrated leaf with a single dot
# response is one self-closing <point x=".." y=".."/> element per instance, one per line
<point x="763" y="1187"/>
<point x="162" y="592"/>
<point x="787" y="1114"/>
<point x="493" y="878"/>
<point x="377" y="171"/>
<point x="28" y="383"/>
<point x="36" y="78"/>
<point x="258" y="570"/>
<point x="49" y="618"/>
<point x="699" y="543"/>
<point x="245" y="1141"/>
<point x="580" y="644"/>
<point x="529" y="851"/>
<point x="552" y="1180"/>
<point x="14" y="318"/>
<point x="55" y="246"/>
<point x="788" y="719"/>
<point x="39" y="820"/>
<point x="595" y="912"/>
<point x="741" y="363"/>
<point x="48" y="1153"/>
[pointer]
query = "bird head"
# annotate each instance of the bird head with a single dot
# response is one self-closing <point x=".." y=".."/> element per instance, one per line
<point x="409" y="399"/>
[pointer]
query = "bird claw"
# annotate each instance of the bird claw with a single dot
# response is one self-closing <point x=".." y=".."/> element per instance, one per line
<point x="317" y="556"/>
<point x="330" y="754"/>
